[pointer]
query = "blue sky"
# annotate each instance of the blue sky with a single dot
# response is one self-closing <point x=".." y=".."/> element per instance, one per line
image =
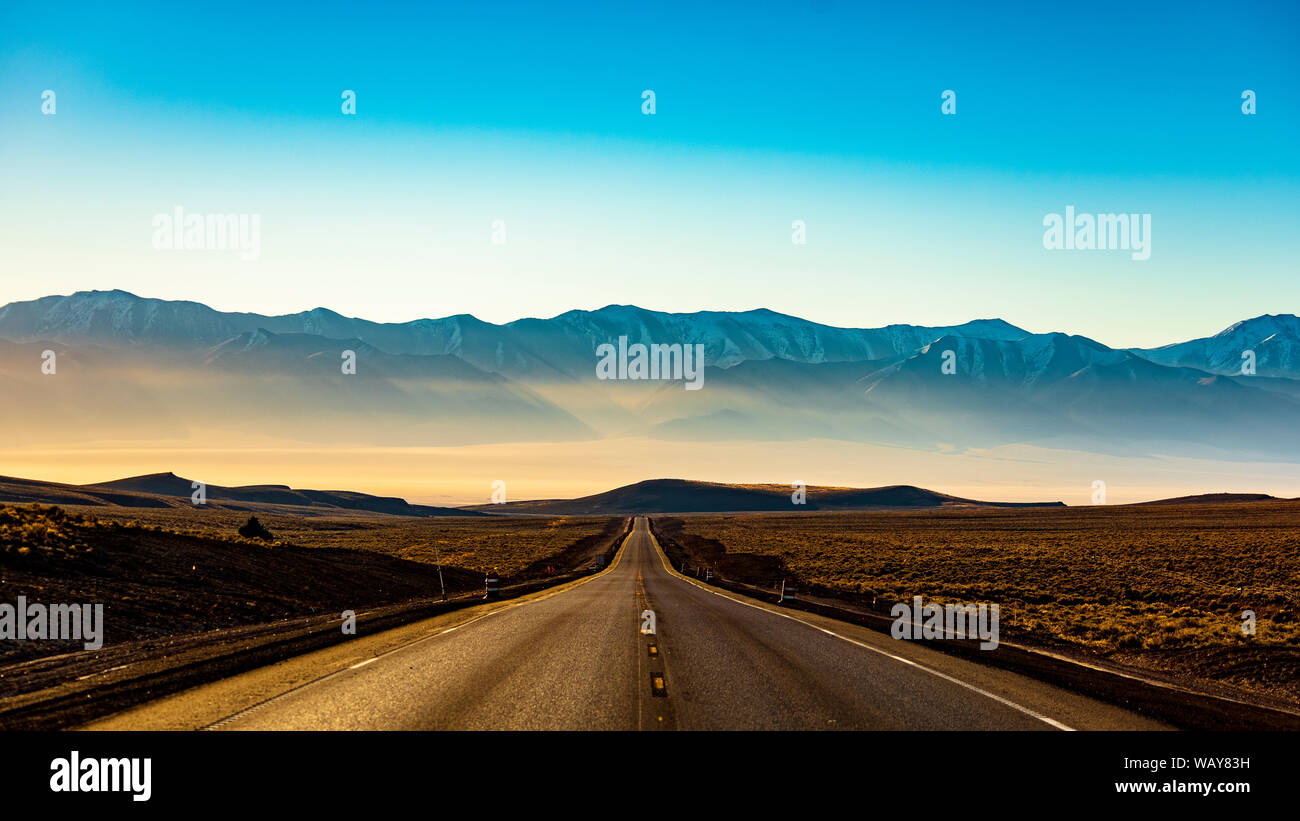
<point x="531" y="114"/>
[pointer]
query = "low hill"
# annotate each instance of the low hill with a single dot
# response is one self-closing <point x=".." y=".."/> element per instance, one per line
<point x="169" y="490"/>
<point x="1214" y="499"/>
<point x="684" y="496"/>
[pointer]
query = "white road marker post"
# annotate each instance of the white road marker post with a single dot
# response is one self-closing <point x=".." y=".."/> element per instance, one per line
<point x="438" y="560"/>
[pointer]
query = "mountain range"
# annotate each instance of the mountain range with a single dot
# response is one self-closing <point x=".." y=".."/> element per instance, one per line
<point x="131" y="369"/>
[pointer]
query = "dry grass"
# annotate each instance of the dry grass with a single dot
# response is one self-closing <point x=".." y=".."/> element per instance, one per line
<point x="479" y="543"/>
<point x="41" y="531"/>
<point x="49" y="532"/>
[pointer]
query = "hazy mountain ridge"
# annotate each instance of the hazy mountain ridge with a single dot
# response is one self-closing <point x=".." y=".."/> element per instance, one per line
<point x="145" y="368"/>
<point x="267" y="386"/>
<point x="560" y="343"/>
<point x="119" y="317"/>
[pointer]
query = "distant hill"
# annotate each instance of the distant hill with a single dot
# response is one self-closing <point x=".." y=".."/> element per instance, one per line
<point x="1214" y="499"/>
<point x="170" y="490"/>
<point x="684" y="496"/>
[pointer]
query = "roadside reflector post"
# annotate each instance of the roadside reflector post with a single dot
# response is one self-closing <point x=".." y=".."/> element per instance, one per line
<point x="787" y="592"/>
<point x="492" y="584"/>
<point x="438" y="559"/>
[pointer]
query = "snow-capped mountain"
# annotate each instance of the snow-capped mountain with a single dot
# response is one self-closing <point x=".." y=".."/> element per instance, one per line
<point x="1274" y="340"/>
<point x="138" y="368"/>
<point x="537" y="348"/>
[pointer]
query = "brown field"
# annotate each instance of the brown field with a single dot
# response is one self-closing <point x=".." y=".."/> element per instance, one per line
<point x="479" y="543"/>
<point x="1161" y="587"/>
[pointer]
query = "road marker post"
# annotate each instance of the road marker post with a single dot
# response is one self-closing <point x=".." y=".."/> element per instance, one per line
<point x="787" y="593"/>
<point x="438" y="560"/>
<point x="492" y="584"/>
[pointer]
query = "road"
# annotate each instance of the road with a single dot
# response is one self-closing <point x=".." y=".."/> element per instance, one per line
<point x="575" y="658"/>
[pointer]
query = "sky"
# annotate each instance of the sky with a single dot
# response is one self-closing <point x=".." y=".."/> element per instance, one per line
<point x="475" y="117"/>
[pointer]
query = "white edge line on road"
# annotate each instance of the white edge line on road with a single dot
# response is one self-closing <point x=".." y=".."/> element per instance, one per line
<point x="548" y="593"/>
<point x="663" y="557"/>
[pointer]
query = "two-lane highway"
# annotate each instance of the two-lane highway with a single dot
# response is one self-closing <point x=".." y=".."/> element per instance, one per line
<point x="576" y="659"/>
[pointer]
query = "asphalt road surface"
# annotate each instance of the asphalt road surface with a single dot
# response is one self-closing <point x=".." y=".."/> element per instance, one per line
<point x="576" y="658"/>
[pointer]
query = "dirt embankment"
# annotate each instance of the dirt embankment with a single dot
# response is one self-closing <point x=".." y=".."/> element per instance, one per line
<point x="581" y="553"/>
<point x="153" y="582"/>
<point x="701" y="551"/>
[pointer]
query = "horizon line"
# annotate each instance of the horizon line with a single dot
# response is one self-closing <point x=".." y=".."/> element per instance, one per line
<point x="741" y="485"/>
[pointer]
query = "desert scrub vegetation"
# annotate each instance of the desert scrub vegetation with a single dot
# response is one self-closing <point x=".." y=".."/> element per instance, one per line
<point x="1110" y="579"/>
<point x="506" y="544"/>
<point x="40" y="531"/>
<point x="48" y="532"/>
<point x="480" y="543"/>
